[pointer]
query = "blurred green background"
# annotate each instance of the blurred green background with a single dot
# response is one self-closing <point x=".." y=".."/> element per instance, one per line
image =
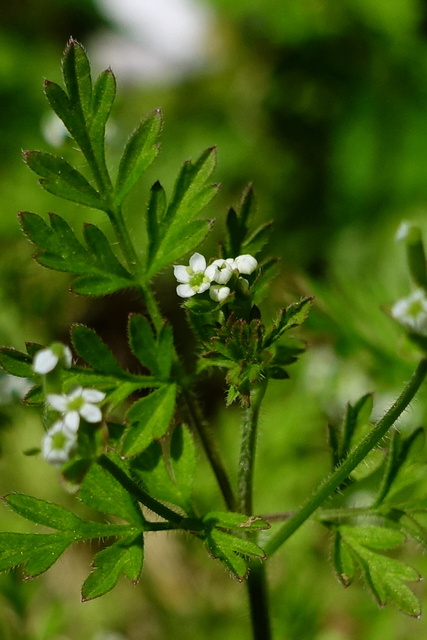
<point x="323" y="106"/>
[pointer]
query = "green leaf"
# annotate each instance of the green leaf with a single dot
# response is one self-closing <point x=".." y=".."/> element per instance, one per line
<point x="155" y="214"/>
<point x="35" y="551"/>
<point x="101" y="491"/>
<point x="155" y="354"/>
<point x="61" y="250"/>
<point x="182" y="459"/>
<point x="258" y="239"/>
<point x="140" y="151"/>
<point x="229" y="550"/>
<point x="16" y="363"/>
<point x="178" y="241"/>
<point x="371" y="536"/>
<point x="150" y="418"/>
<point x="104" y="93"/>
<point x="398" y="453"/>
<point x="61" y="179"/>
<point x="238" y="223"/>
<point x="180" y="233"/>
<point x="356" y="417"/>
<point x="94" y="351"/>
<point x="76" y="72"/>
<point x="343" y="561"/>
<point x="385" y="576"/>
<point x="42" y="512"/>
<point x="124" y="556"/>
<point x="293" y="316"/>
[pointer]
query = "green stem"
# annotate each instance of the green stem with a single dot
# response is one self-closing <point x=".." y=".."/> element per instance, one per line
<point x="332" y="482"/>
<point x="247" y="450"/>
<point x="142" y="497"/>
<point x="152" y="307"/>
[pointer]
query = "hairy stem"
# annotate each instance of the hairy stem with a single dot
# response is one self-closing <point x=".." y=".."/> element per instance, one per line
<point x="332" y="482"/>
<point x="247" y="450"/>
<point x="144" y="498"/>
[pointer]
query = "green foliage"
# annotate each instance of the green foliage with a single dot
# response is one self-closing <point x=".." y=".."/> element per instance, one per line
<point x="385" y="577"/>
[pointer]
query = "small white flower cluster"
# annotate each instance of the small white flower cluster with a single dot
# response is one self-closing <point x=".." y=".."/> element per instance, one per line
<point x="197" y="277"/>
<point x="61" y="438"/>
<point x="411" y="312"/>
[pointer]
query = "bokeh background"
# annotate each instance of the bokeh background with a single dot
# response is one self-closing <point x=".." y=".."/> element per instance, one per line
<point x="323" y="107"/>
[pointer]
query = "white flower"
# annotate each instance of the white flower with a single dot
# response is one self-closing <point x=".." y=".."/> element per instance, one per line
<point x="218" y="292"/>
<point x="78" y="403"/>
<point x="223" y="270"/>
<point x="195" y="278"/>
<point x="412" y="311"/>
<point x="46" y="360"/>
<point x="245" y="263"/>
<point x="58" y="443"/>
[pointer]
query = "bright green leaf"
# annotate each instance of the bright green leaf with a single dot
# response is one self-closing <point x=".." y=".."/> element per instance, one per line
<point x="43" y="512"/>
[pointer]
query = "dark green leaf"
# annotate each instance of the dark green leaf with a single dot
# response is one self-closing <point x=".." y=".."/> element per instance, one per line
<point x="139" y="153"/>
<point x="258" y="239"/>
<point x="16" y="363"/>
<point x="155" y="213"/>
<point x="291" y="317"/>
<point x="343" y="561"/>
<point x="94" y="351"/>
<point x="104" y="93"/>
<point x="142" y="342"/>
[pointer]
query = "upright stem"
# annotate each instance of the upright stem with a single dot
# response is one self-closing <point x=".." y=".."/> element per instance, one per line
<point x="256" y="581"/>
<point x="332" y="482"/>
<point x="247" y="450"/>
<point x="258" y="602"/>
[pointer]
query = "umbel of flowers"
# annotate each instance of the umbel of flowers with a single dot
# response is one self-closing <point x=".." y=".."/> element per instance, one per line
<point x="197" y="277"/>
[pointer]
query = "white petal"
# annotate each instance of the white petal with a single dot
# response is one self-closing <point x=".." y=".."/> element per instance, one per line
<point x="45" y="361"/>
<point x="180" y="272"/>
<point x="57" y="401"/>
<point x="72" y="421"/>
<point x="91" y="413"/>
<point x="246" y="263"/>
<point x="93" y="395"/>
<point x="76" y="393"/>
<point x="197" y="262"/>
<point x="203" y="287"/>
<point x="67" y="357"/>
<point x="219" y="293"/>
<point x="185" y="291"/>
<point x="224" y="271"/>
<point x="211" y="272"/>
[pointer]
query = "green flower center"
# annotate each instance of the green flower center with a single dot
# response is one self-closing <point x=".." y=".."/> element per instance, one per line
<point x="75" y="404"/>
<point x="59" y="440"/>
<point x="197" y="279"/>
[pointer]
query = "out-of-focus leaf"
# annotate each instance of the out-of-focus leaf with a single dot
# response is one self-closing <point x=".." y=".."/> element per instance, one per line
<point x="236" y="521"/>
<point x="16" y="363"/>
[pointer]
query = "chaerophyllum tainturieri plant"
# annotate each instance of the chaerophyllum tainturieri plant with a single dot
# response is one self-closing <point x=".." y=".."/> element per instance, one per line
<point x="125" y="441"/>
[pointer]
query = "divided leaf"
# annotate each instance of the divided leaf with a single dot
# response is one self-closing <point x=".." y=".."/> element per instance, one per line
<point x="385" y="576"/>
<point x="174" y="232"/>
<point x="100" y="271"/>
<point x="124" y="556"/>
